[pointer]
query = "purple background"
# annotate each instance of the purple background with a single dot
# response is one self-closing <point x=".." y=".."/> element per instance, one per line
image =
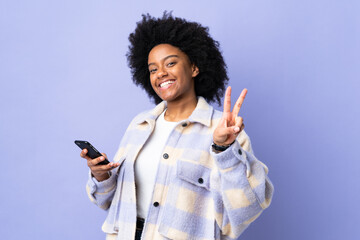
<point x="64" y="76"/>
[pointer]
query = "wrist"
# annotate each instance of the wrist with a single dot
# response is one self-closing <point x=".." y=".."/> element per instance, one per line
<point x="102" y="177"/>
<point x="220" y="148"/>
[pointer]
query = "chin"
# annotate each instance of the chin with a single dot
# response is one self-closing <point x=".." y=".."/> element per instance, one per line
<point x="167" y="98"/>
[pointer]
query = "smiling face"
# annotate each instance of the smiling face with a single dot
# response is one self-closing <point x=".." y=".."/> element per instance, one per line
<point x="171" y="73"/>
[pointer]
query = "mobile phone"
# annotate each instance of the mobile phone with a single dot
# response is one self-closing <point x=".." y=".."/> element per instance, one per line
<point x="92" y="151"/>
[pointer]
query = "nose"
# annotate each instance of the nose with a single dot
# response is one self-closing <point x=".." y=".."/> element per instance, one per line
<point x="161" y="73"/>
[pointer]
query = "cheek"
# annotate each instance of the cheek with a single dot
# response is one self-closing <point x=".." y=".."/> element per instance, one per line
<point x="153" y="86"/>
<point x="152" y="82"/>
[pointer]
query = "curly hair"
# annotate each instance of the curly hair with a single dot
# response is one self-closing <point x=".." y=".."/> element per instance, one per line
<point x="192" y="39"/>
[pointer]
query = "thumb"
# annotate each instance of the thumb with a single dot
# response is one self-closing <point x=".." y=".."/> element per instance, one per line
<point x="223" y="135"/>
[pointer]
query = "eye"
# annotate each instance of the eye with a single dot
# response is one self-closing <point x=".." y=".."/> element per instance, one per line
<point x="152" y="70"/>
<point x="170" y="64"/>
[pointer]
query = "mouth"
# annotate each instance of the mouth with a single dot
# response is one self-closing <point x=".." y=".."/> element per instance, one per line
<point x="166" y="84"/>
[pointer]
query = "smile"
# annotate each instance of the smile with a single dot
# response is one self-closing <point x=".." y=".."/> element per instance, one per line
<point x="166" y="83"/>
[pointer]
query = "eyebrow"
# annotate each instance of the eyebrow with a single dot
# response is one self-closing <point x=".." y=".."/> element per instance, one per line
<point x="170" y="56"/>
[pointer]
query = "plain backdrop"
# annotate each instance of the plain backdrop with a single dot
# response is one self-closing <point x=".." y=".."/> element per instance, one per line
<point x="64" y="76"/>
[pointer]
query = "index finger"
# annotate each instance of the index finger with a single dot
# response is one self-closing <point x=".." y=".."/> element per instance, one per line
<point x="95" y="161"/>
<point x="83" y="154"/>
<point x="227" y="100"/>
<point x="239" y="103"/>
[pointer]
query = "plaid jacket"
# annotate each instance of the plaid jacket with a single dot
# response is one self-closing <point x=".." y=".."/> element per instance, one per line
<point x="198" y="194"/>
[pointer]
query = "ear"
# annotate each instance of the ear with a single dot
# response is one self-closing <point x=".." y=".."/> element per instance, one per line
<point x="195" y="70"/>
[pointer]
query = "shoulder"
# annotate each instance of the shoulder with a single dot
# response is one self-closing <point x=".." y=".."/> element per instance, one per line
<point x="139" y="119"/>
<point x="141" y="116"/>
<point x="149" y="115"/>
<point x="217" y="114"/>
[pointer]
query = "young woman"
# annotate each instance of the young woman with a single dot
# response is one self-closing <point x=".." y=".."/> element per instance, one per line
<point x="183" y="169"/>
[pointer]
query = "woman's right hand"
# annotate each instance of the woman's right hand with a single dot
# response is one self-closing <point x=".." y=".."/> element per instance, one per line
<point x="100" y="172"/>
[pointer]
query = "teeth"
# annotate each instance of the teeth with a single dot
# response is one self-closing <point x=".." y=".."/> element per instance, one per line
<point x="166" y="83"/>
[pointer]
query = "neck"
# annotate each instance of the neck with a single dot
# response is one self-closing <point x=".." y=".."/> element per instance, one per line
<point x="177" y="111"/>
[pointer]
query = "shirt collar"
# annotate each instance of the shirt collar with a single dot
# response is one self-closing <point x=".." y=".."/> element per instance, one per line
<point x="201" y="114"/>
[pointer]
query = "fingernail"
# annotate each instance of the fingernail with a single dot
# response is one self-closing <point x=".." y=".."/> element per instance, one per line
<point x="236" y="129"/>
<point x="102" y="158"/>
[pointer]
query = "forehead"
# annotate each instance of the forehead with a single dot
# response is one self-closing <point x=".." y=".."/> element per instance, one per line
<point x="161" y="51"/>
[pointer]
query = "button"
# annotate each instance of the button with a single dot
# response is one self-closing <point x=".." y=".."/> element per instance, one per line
<point x="156" y="204"/>
<point x="201" y="181"/>
<point x="166" y="156"/>
<point x="184" y="124"/>
<point x="240" y="151"/>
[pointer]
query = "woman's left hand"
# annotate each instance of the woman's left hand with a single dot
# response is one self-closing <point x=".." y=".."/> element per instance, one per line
<point x="230" y="124"/>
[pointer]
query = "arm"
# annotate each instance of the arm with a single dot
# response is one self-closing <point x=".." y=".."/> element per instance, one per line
<point x="240" y="186"/>
<point x="102" y="192"/>
<point x="102" y="182"/>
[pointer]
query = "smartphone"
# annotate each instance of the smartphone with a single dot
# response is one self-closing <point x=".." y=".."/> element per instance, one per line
<point x="92" y="151"/>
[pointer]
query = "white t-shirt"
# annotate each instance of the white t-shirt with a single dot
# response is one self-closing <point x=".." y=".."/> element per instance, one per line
<point x="147" y="162"/>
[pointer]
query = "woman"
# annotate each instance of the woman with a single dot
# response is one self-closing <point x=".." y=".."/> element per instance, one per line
<point x="183" y="170"/>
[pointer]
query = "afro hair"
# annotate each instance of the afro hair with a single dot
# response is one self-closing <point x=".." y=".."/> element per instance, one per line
<point x="192" y="39"/>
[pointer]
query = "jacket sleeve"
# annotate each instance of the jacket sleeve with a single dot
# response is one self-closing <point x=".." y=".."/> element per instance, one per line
<point x="240" y="186"/>
<point x="102" y="193"/>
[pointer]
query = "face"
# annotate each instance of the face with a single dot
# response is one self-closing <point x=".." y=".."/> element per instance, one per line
<point x="171" y="73"/>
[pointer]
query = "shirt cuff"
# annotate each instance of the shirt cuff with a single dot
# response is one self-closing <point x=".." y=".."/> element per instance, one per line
<point x="231" y="157"/>
<point x="103" y="186"/>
